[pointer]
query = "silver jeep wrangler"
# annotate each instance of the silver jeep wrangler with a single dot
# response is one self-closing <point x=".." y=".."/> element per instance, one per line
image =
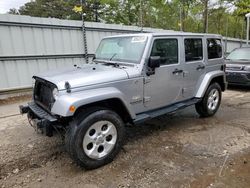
<point x="131" y="79"/>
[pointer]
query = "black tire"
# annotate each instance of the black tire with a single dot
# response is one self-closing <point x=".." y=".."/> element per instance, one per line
<point x="80" y="126"/>
<point x="202" y="106"/>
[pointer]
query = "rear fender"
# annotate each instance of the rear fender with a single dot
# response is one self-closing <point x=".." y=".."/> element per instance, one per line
<point x="207" y="80"/>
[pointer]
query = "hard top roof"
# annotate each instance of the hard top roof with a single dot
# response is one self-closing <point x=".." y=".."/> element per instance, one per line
<point x="170" y="33"/>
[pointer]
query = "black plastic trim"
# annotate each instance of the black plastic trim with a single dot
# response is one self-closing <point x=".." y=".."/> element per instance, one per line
<point x="41" y="113"/>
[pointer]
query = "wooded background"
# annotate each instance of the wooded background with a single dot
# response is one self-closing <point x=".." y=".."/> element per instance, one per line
<point x="210" y="16"/>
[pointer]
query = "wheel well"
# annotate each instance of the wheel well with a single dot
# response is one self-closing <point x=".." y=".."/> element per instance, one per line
<point x="220" y="81"/>
<point x="114" y="104"/>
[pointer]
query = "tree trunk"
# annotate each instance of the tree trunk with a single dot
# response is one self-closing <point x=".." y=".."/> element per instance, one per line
<point x="205" y="16"/>
<point x="183" y="17"/>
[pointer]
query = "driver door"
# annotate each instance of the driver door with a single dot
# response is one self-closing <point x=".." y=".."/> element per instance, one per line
<point x="164" y="87"/>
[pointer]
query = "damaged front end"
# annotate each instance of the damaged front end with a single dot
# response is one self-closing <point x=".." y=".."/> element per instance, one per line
<point x="39" y="110"/>
<point x="39" y="119"/>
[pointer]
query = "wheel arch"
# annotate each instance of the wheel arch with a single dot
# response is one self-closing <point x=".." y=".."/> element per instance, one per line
<point x="212" y="77"/>
<point x="103" y="97"/>
<point x="220" y="81"/>
<point x="114" y="104"/>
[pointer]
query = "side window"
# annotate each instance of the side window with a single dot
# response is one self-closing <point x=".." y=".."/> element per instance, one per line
<point x="193" y="49"/>
<point x="214" y="48"/>
<point x="167" y="49"/>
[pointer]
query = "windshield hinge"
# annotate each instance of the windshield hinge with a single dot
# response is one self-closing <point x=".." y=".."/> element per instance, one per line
<point x="147" y="80"/>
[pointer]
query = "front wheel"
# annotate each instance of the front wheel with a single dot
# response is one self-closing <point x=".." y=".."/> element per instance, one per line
<point x="95" y="137"/>
<point x="210" y="103"/>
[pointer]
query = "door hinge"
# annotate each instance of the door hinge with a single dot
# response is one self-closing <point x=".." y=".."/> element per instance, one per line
<point x="185" y="73"/>
<point x="146" y="80"/>
<point x="183" y="91"/>
<point x="146" y="99"/>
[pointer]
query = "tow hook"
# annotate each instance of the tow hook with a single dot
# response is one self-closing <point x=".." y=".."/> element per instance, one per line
<point x="42" y="126"/>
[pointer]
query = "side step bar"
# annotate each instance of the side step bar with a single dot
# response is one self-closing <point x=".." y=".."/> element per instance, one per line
<point x="140" y="118"/>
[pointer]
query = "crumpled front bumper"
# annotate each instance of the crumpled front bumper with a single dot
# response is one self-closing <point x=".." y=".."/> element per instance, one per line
<point x="39" y="118"/>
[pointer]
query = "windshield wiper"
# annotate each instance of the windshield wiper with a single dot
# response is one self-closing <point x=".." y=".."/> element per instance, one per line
<point x="109" y="61"/>
<point x="106" y="62"/>
<point x="112" y="63"/>
<point x="112" y="56"/>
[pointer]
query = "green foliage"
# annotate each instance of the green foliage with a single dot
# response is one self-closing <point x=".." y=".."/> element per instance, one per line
<point x="46" y="8"/>
<point x="165" y="14"/>
<point x="243" y="7"/>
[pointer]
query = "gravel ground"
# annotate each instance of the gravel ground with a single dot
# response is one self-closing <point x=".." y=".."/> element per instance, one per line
<point x="179" y="150"/>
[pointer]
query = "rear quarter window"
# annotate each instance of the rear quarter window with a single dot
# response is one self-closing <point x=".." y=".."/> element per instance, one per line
<point x="214" y="48"/>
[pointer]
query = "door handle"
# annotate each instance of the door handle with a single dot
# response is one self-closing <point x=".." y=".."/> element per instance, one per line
<point x="177" y="71"/>
<point x="200" y="67"/>
<point x="185" y="73"/>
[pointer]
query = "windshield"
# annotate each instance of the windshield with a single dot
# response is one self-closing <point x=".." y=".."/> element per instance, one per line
<point x="123" y="49"/>
<point x="240" y="54"/>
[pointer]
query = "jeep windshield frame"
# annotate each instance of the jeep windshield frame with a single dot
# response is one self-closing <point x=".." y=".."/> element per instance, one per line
<point x="122" y="49"/>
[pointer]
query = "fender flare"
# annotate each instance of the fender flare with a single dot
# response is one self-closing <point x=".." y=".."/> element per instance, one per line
<point x="207" y="80"/>
<point x="78" y="99"/>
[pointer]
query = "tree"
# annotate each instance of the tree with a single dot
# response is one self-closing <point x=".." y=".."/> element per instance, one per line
<point x="45" y="8"/>
<point x="13" y="11"/>
<point x="243" y="7"/>
<point x="185" y="7"/>
<point x="165" y="14"/>
<point x="62" y="9"/>
<point x="205" y="16"/>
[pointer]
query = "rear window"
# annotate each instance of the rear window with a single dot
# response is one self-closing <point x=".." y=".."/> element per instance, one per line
<point x="214" y="48"/>
<point x="193" y="49"/>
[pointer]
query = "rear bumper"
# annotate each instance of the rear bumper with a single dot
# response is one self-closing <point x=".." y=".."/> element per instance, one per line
<point x="39" y="118"/>
<point x="238" y="78"/>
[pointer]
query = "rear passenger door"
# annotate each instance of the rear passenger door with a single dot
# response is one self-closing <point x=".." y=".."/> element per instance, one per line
<point x="194" y="65"/>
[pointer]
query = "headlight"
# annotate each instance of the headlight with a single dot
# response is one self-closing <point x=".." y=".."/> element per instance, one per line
<point x="55" y="93"/>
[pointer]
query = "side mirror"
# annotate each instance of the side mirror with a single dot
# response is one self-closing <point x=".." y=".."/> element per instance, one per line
<point x="154" y="62"/>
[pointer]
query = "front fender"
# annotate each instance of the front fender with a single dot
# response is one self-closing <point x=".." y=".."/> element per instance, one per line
<point x="78" y="99"/>
<point x="207" y="80"/>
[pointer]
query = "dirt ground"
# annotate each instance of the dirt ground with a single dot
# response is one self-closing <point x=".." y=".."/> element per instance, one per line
<point x="179" y="150"/>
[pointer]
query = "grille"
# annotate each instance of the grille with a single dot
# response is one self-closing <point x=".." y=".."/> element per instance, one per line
<point x="43" y="93"/>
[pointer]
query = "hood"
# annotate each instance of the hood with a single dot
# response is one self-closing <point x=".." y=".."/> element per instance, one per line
<point x="88" y="74"/>
<point x="237" y="62"/>
<point x="237" y="65"/>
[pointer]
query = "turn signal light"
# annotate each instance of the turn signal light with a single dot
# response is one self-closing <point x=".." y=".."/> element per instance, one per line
<point x="72" y="108"/>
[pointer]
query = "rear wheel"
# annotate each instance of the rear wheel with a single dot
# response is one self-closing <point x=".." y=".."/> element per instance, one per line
<point x="95" y="137"/>
<point x="210" y="103"/>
